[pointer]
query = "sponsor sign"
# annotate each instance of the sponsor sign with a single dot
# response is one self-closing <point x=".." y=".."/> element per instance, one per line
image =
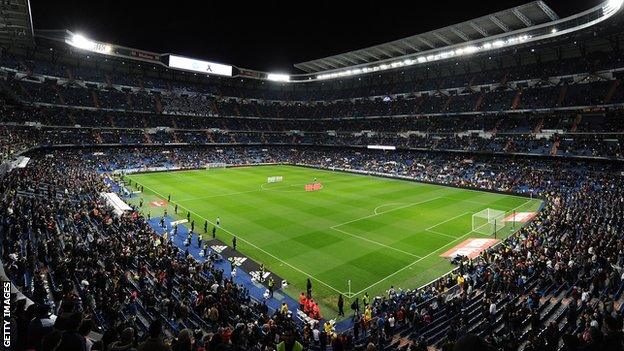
<point x="199" y="66"/>
<point x="159" y="203"/>
<point x="523" y="217"/>
<point x="313" y="187"/>
<point x="470" y="248"/>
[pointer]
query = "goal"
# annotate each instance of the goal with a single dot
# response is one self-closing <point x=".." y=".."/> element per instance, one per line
<point x="488" y="221"/>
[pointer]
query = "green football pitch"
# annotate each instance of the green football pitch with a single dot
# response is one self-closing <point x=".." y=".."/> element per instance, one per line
<point x="374" y="232"/>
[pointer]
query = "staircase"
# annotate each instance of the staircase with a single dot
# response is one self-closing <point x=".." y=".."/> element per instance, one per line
<point x="435" y="144"/>
<point x="612" y="89"/>
<point x="61" y="99"/>
<point x="98" y="137"/>
<point x="479" y="102"/>
<point x="516" y="100"/>
<point x="509" y="146"/>
<point x="539" y="126"/>
<point x="129" y="101"/>
<point x="562" y="95"/>
<point x="215" y="110"/>
<point x="496" y="126"/>
<point x="505" y="78"/>
<point x="471" y="82"/>
<point x="111" y="121"/>
<point x="210" y="138"/>
<point x="70" y="75"/>
<point x="447" y="103"/>
<point x="72" y="119"/>
<point x="554" y="148"/>
<point x="94" y="98"/>
<point x="577" y="120"/>
<point x="158" y="103"/>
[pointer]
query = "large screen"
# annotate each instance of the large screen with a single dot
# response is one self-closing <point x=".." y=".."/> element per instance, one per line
<point x="199" y="65"/>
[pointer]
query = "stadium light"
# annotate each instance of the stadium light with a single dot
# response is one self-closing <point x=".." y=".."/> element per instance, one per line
<point x="81" y="42"/>
<point x="381" y="147"/>
<point x="278" y="77"/>
<point x="612" y="6"/>
<point x="463" y="51"/>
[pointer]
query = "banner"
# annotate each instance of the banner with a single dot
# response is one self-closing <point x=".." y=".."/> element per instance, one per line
<point x="313" y="187"/>
<point x="199" y="66"/>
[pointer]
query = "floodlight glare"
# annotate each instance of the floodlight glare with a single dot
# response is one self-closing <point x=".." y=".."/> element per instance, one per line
<point x="615" y="4"/>
<point x="81" y="42"/>
<point x="278" y="77"/>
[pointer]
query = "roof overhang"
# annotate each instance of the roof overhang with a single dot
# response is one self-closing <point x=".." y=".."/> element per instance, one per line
<point x="520" y="17"/>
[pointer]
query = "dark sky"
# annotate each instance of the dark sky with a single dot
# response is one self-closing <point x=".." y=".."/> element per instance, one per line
<point x="266" y="35"/>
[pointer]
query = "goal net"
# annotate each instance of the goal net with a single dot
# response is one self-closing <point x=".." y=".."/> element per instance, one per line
<point x="216" y="165"/>
<point x="275" y="179"/>
<point x="488" y="221"/>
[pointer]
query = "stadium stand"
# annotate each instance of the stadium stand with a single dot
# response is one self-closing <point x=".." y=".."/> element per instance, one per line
<point x="510" y="122"/>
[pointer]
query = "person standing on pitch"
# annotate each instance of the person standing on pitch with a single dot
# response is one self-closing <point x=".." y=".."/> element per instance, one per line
<point x="309" y="288"/>
<point x="175" y="209"/>
<point x="365" y="299"/>
<point x="340" y="305"/>
<point x="234" y="243"/>
<point x="193" y="225"/>
<point x="169" y="198"/>
<point x="271" y="286"/>
<point x="218" y="221"/>
<point x="188" y="216"/>
<point x="205" y="227"/>
<point x="214" y="232"/>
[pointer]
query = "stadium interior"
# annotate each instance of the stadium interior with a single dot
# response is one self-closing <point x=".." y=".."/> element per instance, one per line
<point x="515" y="118"/>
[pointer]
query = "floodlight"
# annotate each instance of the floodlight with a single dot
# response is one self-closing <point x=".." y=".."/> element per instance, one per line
<point x="278" y="77"/>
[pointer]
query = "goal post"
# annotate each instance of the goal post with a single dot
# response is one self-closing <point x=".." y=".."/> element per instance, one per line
<point x="488" y="221"/>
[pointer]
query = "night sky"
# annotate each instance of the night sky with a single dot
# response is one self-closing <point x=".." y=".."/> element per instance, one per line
<point x="263" y="35"/>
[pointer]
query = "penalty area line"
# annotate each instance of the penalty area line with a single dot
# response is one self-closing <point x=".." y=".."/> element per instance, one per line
<point x="375" y="242"/>
<point x="413" y="263"/>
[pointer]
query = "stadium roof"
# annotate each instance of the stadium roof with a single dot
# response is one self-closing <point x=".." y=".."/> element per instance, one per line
<point x="16" y="22"/>
<point x="523" y="16"/>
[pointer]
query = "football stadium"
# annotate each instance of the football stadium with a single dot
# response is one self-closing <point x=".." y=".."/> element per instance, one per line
<point x="461" y="188"/>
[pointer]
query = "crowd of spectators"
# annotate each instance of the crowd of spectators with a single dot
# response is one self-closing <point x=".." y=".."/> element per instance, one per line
<point x="550" y="134"/>
<point x="96" y="271"/>
<point x="465" y="100"/>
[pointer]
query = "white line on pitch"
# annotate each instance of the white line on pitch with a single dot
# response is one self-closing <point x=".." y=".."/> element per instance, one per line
<point x="375" y="242"/>
<point x="386" y="205"/>
<point x="413" y="263"/>
<point x="218" y="195"/>
<point x="382" y="212"/>
<point x="440" y="233"/>
<point x="448" y="220"/>
<point x="251" y="244"/>
<point x="431" y="253"/>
